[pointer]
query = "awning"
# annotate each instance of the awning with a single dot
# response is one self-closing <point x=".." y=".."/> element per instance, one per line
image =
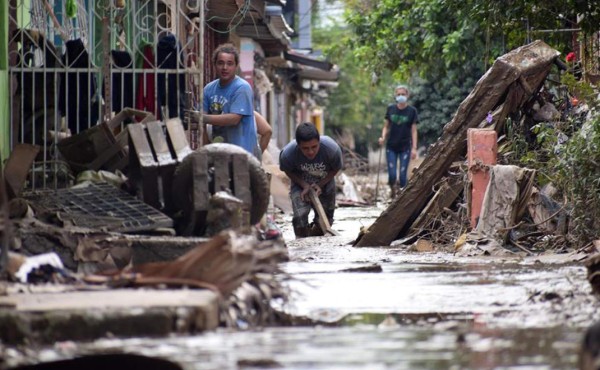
<point x="301" y="59"/>
<point x="318" y="74"/>
<point x="261" y="22"/>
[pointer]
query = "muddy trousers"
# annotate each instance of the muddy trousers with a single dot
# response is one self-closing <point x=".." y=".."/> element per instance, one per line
<point x="302" y="210"/>
<point x="393" y="158"/>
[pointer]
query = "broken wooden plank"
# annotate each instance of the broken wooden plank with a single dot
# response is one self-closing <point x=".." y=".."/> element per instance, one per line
<point x="166" y="162"/>
<point x="177" y="138"/>
<point x="241" y="179"/>
<point x="443" y="198"/>
<point x="533" y="62"/>
<point x="143" y="164"/>
<point x="221" y="171"/>
<point x="17" y="168"/>
<point x="200" y="182"/>
<point x="323" y="220"/>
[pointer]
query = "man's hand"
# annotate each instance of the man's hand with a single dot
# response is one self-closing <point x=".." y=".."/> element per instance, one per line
<point x="308" y="188"/>
<point x="316" y="188"/>
<point x="304" y="194"/>
<point x="191" y="115"/>
<point x="381" y="140"/>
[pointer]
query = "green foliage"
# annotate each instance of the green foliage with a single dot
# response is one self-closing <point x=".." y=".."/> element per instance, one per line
<point x="359" y="102"/>
<point x="415" y="36"/>
<point x="437" y="101"/>
<point x="581" y="90"/>
<point x="579" y="171"/>
<point x="566" y="154"/>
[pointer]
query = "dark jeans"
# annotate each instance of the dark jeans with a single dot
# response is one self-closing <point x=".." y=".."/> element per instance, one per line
<point x="392" y="162"/>
<point x="302" y="208"/>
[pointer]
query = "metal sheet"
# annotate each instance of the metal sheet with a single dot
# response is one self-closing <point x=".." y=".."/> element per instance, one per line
<point x="100" y="206"/>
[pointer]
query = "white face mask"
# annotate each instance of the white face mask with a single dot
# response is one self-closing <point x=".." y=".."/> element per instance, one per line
<point x="401" y="99"/>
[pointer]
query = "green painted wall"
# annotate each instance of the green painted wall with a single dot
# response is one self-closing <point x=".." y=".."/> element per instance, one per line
<point x="4" y="111"/>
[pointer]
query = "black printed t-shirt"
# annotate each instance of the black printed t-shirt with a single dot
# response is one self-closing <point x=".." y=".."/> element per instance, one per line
<point x="328" y="158"/>
<point x="401" y="121"/>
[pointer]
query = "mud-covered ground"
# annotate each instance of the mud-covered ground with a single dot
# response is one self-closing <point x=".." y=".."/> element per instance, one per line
<point x="390" y="308"/>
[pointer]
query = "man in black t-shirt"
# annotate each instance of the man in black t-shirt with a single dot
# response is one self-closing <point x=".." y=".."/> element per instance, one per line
<point x="400" y="130"/>
<point x="311" y="162"/>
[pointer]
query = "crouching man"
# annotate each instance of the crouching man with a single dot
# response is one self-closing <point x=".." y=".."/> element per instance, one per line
<point x="311" y="162"/>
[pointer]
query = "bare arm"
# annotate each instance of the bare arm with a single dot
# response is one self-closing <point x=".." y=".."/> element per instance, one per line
<point x="225" y="119"/>
<point x="413" y="152"/>
<point x="303" y="184"/>
<point x="264" y="130"/>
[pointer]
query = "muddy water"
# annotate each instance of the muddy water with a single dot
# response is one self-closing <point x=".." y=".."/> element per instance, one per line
<point x="420" y="311"/>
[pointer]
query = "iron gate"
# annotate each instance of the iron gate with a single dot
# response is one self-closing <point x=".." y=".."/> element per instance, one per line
<point x="77" y="63"/>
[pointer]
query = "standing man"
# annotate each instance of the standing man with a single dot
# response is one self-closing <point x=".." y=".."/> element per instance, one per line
<point x="311" y="162"/>
<point x="400" y="130"/>
<point x="228" y="102"/>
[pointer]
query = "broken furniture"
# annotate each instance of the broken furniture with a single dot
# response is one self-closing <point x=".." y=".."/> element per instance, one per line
<point x="155" y="150"/>
<point x="213" y="168"/>
<point x="97" y="148"/>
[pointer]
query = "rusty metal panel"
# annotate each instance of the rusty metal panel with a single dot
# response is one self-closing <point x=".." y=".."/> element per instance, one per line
<point x="99" y="206"/>
<point x="200" y="182"/>
<point x="241" y="179"/>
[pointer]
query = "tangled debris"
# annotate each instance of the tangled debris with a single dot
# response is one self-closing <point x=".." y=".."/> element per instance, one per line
<point x="520" y="217"/>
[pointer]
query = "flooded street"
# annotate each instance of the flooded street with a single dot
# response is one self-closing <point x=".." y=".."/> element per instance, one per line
<point x="413" y="311"/>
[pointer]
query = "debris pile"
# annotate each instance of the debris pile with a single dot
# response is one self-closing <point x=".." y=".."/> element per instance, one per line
<point x="145" y="211"/>
<point x="516" y="215"/>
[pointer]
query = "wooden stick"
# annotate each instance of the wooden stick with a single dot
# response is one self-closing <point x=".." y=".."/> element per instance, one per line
<point x="323" y="220"/>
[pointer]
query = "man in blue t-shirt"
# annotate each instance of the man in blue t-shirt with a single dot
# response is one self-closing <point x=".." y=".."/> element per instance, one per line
<point x="400" y="130"/>
<point x="311" y="162"/>
<point x="228" y="102"/>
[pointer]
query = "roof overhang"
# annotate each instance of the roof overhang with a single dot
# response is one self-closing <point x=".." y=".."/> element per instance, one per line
<point x="262" y="21"/>
<point x="304" y="60"/>
<point x="318" y="74"/>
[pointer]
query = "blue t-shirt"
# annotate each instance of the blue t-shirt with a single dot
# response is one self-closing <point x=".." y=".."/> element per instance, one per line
<point x="328" y="158"/>
<point x="235" y="97"/>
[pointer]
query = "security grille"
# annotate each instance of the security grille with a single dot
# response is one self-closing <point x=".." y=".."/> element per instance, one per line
<point x="77" y="63"/>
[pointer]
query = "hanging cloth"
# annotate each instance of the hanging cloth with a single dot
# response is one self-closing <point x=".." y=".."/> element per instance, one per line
<point x="146" y="85"/>
<point x="122" y="80"/>
<point x="171" y="88"/>
<point x="78" y="88"/>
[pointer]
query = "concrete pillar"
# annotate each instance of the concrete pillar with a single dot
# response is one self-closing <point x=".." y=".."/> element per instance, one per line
<point x="482" y="150"/>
